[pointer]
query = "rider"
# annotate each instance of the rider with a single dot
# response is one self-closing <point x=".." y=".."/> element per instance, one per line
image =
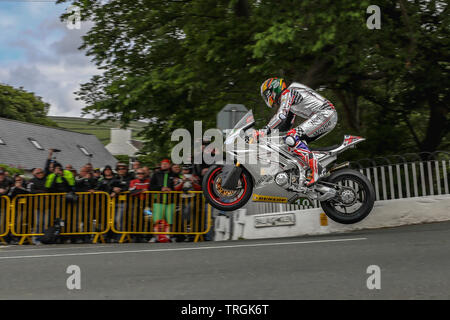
<point x="299" y="100"/>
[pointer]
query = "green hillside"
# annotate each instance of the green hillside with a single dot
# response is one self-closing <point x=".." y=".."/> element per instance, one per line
<point x="102" y="131"/>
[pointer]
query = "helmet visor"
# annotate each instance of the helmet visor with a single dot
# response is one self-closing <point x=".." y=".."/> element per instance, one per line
<point x="267" y="97"/>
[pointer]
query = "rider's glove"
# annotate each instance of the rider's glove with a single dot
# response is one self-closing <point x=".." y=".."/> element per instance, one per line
<point x="257" y="134"/>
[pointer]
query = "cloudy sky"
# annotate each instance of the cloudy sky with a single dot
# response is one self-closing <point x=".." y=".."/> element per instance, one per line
<point x="39" y="53"/>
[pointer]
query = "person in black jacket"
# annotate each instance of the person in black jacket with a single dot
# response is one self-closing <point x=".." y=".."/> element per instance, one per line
<point x="107" y="181"/>
<point x="6" y="182"/>
<point x="123" y="178"/>
<point x="19" y="187"/>
<point x="85" y="182"/>
<point x="163" y="204"/>
<point x="120" y="184"/>
<point x="37" y="183"/>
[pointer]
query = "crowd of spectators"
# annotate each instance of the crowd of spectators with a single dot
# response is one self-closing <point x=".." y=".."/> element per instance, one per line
<point x="56" y="178"/>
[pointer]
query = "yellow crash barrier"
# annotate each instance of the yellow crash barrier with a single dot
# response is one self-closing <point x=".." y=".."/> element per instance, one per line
<point x="152" y="212"/>
<point x="4" y="217"/>
<point x="32" y="214"/>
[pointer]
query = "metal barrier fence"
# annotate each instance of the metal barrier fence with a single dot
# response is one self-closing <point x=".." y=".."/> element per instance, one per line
<point x="32" y="214"/>
<point x="405" y="180"/>
<point x="175" y="213"/>
<point x="96" y="214"/>
<point x="4" y="217"/>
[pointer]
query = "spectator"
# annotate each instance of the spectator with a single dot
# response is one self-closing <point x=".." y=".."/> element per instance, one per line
<point x="89" y="167"/>
<point x="106" y="181"/>
<point x="162" y="180"/>
<point x="163" y="207"/>
<point x="120" y="184"/>
<point x="147" y="171"/>
<point x="5" y="183"/>
<point x="176" y="170"/>
<point x="136" y="165"/>
<point x="85" y="182"/>
<point x="106" y="184"/>
<point x="123" y="178"/>
<point x="201" y="169"/>
<point x="187" y="181"/>
<point x="19" y="187"/>
<point x="137" y="186"/>
<point x="60" y="180"/>
<point x="97" y="174"/>
<point x="11" y="180"/>
<point x="37" y="183"/>
<point x="140" y="184"/>
<point x="50" y="163"/>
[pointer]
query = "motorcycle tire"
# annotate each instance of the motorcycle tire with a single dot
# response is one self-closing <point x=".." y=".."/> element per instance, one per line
<point x="216" y="196"/>
<point x="329" y="206"/>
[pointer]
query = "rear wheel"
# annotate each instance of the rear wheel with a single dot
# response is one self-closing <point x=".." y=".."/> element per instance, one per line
<point x="354" y="200"/>
<point x="223" y="199"/>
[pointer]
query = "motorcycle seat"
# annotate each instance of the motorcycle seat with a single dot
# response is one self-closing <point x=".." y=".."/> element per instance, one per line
<point x="324" y="148"/>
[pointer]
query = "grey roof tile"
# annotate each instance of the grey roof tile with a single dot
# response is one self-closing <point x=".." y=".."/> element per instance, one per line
<point x="20" y="152"/>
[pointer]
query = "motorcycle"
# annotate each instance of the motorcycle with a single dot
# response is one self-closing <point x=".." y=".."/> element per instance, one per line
<point x="278" y="176"/>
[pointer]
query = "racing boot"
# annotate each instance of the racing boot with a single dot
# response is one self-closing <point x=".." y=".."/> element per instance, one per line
<point x="314" y="170"/>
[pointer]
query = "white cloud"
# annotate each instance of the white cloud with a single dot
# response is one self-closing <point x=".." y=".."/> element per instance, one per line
<point x="52" y="66"/>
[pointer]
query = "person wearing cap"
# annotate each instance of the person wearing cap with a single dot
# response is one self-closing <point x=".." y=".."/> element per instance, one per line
<point x="123" y="178"/>
<point x="5" y="183"/>
<point x="106" y="181"/>
<point x="162" y="180"/>
<point x="97" y="174"/>
<point x="106" y="184"/>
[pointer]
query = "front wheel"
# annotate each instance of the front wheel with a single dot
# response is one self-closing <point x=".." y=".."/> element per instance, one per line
<point x="223" y="199"/>
<point x="354" y="200"/>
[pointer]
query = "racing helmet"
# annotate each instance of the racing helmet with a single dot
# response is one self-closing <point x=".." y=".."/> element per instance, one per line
<point x="271" y="90"/>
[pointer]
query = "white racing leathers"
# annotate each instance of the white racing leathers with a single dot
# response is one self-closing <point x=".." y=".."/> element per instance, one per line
<point x="300" y="100"/>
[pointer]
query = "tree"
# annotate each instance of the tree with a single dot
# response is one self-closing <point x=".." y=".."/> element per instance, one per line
<point x="174" y="62"/>
<point x="18" y="104"/>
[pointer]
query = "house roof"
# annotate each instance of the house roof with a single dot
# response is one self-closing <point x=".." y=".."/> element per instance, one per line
<point x="19" y="151"/>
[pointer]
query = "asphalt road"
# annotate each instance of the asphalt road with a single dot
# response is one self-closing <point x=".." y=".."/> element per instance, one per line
<point x="414" y="263"/>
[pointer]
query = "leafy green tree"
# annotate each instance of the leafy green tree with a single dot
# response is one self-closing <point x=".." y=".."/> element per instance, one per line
<point x="18" y="104"/>
<point x="12" y="171"/>
<point x="177" y="61"/>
